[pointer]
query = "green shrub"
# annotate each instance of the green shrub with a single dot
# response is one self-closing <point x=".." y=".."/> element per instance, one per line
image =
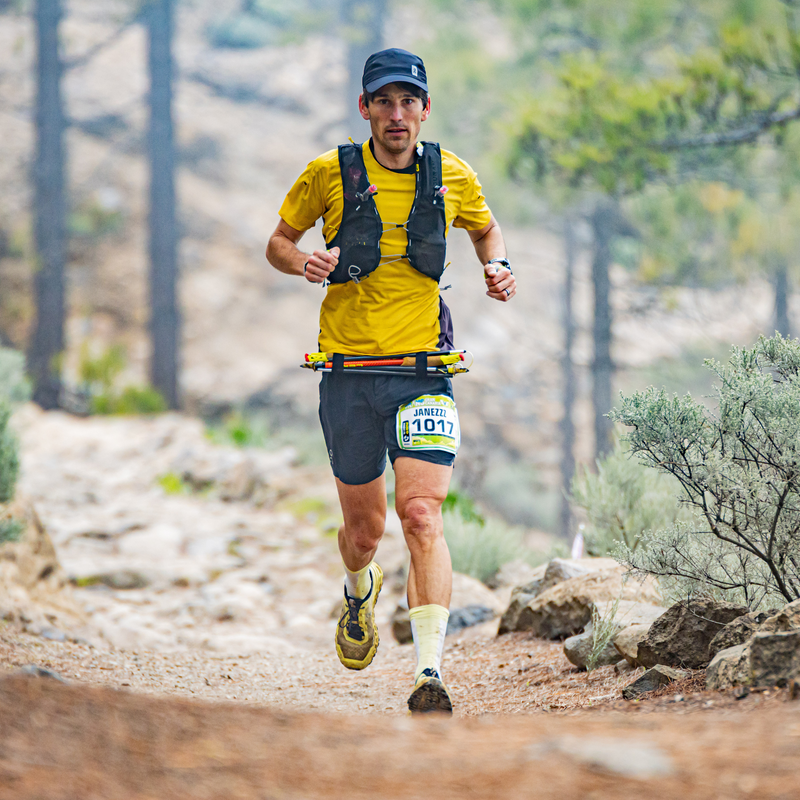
<point x="603" y="630"/>
<point x="172" y="483"/>
<point x="479" y="548"/>
<point x="11" y="530"/>
<point x="9" y="457"/>
<point x="622" y="500"/>
<point x="739" y="469"/>
<point x="14" y="384"/>
<point x="98" y="376"/>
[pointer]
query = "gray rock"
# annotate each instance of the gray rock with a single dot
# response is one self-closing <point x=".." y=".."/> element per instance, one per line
<point x="737" y="632"/>
<point x="622" y="667"/>
<point x="626" y="757"/>
<point x="787" y="619"/>
<point x="654" y="678"/>
<point x="578" y="648"/>
<point x="729" y="667"/>
<point x="35" y="671"/>
<point x="626" y="642"/>
<point x="680" y="637"/>
<point x="468" y="616"/>
<point x="547" y="576"/>
<point x="774" y="658"/>
<point x="566" y="608"/>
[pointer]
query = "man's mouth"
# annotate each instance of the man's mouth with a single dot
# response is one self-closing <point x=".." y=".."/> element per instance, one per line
<point x="396" y="130"/>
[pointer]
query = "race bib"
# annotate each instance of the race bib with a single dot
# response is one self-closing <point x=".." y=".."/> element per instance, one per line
<point x="429" y="423"/>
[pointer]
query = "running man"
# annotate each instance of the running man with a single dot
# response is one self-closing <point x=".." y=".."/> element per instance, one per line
<point x="386" y="208"/>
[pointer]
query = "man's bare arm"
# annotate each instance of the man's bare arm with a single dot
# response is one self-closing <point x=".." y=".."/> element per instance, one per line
<point x="284" y="254"/>
<point x="488" y="243"/>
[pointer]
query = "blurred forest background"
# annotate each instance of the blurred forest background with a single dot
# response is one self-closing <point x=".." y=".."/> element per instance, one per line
<point x="641" y="157"/>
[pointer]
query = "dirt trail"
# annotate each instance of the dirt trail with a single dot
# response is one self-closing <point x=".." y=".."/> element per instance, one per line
<point x="217" y="678"/>
<point x="123" y="728"/>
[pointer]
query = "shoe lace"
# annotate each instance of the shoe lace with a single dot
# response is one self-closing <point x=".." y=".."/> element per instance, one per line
<point x="350" y="618"/>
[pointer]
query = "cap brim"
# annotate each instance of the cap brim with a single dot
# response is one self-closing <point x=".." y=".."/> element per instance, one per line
<point x="373" y="86"/>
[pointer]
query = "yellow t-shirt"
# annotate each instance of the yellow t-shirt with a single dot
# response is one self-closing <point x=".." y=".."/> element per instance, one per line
<point x="396" y="308"/>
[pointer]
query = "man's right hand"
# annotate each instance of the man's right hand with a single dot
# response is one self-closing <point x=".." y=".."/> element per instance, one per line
<point x="320" y="264"/>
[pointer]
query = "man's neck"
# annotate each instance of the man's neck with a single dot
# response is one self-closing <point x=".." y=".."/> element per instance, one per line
<point x="393" y="160"/>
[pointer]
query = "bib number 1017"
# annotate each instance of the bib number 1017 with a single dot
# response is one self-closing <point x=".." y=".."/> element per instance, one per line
<point x="429" y="423"/>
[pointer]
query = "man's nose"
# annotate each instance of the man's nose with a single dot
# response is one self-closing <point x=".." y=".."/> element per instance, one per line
<point x="397" y="111"/>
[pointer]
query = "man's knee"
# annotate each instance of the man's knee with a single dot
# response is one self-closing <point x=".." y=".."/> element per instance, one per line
<point x="421" y="518"/>
<point x="364" y="534"/>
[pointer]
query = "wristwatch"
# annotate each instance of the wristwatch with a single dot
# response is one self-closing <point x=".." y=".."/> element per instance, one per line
<point x="504" y="261"/>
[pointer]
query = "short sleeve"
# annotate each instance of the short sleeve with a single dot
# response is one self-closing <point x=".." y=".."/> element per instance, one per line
<point x="305" y="202"/>
<point x="473" y="213"/>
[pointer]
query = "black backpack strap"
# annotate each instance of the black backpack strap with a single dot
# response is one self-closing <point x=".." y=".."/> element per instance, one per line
<point x="421" y="365"/>
<point x="360" y="231"/>
<point x="427" y="222"/>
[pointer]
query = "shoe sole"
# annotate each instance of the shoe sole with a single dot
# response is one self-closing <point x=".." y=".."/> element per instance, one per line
<point x="430" y="697"/>
<point x="351" y="663"/>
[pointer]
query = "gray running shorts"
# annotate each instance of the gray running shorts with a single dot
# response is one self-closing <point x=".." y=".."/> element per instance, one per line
<point x="359" y="419"/>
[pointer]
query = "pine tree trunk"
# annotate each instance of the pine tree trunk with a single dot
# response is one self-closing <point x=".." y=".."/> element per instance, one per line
<point x="604" y="223"/>
<point x="164" y="315"/>
<point x="568" y="377"/>
<point x="782" y="324"/>
<point x="47" y="337"/>
<point x="364" y="21"/>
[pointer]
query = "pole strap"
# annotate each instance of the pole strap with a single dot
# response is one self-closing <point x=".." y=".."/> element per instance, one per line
<point x="421" y="365"/>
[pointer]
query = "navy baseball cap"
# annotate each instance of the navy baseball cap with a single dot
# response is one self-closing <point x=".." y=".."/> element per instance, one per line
<point x="393" y="66"/>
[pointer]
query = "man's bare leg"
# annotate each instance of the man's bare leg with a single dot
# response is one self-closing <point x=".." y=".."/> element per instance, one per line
<point x="364" y="511"/>
<point x="420" y="489"/>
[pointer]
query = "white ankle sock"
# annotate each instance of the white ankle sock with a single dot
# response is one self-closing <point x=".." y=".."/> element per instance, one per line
<point x="358" y="583"/>
<point x="428" y="627"/>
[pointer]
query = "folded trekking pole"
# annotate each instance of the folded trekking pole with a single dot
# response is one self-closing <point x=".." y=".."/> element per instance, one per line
<point x="439" y="362"/>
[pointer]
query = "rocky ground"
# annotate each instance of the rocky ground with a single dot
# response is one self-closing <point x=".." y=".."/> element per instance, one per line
<point x="197" y="659"/>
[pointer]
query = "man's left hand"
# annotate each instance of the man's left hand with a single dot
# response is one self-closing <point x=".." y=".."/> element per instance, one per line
<point x="500" y="283"/>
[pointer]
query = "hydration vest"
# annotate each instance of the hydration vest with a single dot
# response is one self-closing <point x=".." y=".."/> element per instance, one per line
<point x="359" y="235"/>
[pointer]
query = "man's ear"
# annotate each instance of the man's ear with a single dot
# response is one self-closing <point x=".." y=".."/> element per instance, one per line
<point x="362" y="108"/>
<point x="426" y="112"/>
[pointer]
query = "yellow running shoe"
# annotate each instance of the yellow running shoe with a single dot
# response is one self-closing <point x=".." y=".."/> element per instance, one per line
<point x="430" y="694"/>
<point x="357" y="634"/>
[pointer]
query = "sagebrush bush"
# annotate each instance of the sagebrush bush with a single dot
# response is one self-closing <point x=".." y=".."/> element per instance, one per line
<point x="9" y="457"/>
<point x="622" y="500"/>
<point x="14" y="384"/>
<point x="479" y="548"/>
<point x="739" y="469"/>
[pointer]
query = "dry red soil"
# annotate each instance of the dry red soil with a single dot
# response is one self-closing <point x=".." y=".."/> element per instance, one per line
<point x="527" y="726"/>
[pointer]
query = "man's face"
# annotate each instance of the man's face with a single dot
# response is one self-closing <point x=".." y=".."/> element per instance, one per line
<point x="395" y="117"/>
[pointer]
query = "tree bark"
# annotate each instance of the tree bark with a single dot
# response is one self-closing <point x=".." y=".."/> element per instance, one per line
<point x="46" y="342"/>
<point x="163" y="245"/>
<point x="364" y="21"/>
<point x="782" y="324"/>
<point x="604" y="223"/>
<point x="568" y="378"/>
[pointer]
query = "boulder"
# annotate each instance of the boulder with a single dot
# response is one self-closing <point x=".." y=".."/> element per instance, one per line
<point x="34" y="591"/>
<point x="471" y="603"/>
<point x="565" y="609"/>
<point x="737" y="632"/>
<point x="578" y="648"/>
<point x="680" y="637"/>
<point x="652" y="679"/>
<point x="729" y="667"/>
<point x="787" y="619"/>
<point x="625" y="613"/>
<point x="774" y="658"/>
<point x="547" y="575"/>
<point x="626" y="642"/>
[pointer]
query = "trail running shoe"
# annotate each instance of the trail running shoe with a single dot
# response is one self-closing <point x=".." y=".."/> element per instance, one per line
<point x="430" y="694"/>
<point x="357" y="634"/>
